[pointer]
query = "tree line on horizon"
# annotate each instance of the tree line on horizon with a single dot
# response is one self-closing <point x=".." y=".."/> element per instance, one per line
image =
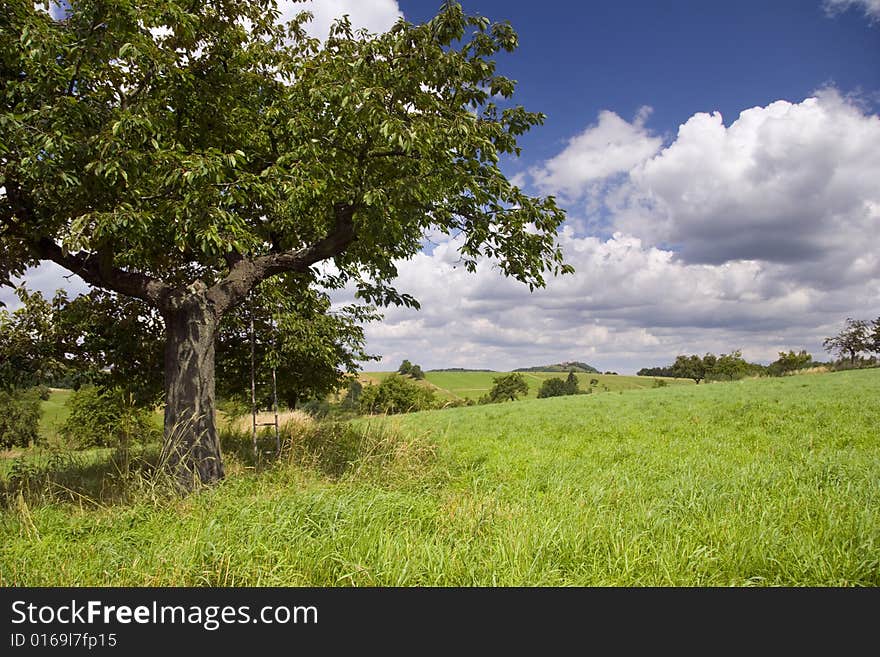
<point x="856" y="338"/>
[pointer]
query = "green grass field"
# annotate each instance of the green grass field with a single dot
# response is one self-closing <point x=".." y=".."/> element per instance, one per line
<point x="473" y="385"/>
<point x="54" y="412"/>
<point x="760" y="482"/>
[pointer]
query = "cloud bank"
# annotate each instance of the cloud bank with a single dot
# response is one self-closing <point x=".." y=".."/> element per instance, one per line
<point x="761" y="235"/>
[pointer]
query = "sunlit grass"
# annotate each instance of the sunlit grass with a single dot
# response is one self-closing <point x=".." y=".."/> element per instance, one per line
<point x="763" y="482"/>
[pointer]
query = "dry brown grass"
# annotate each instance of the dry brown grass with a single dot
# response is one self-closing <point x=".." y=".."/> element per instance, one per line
<point x="294" y="418"/>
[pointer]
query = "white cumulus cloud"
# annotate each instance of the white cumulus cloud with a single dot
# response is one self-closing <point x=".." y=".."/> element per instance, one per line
<point x="871" y="8"/>
<point x="374" y="15"/>
<point x="759" y="235"/>
<point x="791" y="183"/>
<point x="610" y="146"/>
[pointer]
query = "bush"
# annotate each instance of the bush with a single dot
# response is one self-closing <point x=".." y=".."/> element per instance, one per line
<point x="20" y="412"/>
<point x="352" y="398"/>
<point x="790" y="362"/>
<point x="556" y="387"/>
<point x="106" y="418"/>
<point x="396" y="394"/>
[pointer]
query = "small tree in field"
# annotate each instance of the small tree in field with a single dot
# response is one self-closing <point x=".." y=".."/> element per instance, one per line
<point x="572" y="387"/>
<point x="181" y="153"/>
<point x="790" y="362"/>
<point x="854" y="339"/>
<point x="507" y="388"/>
<point x="690" y="367"/>
<point x="875" y="336"/>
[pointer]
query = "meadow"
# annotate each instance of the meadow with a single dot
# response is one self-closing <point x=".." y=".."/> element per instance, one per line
<point x="752" y="483"/>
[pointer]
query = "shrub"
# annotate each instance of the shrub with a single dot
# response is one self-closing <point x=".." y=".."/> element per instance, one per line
<point x="554" y="387"/>
<point x="396" y="394"/>
<point x="353" y="392"/>
<point x="790" y="362"/>
<point x="106" y="418"/>
<point x="19" y="417"/>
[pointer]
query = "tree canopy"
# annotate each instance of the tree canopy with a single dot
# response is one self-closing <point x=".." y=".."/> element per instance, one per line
<point x="853" y="339"/>
<point x="507" y="388"/>
<point x="228" y="149"/>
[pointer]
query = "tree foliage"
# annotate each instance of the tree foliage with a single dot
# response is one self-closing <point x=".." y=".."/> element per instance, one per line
<point x="106" y="417"/>
<point x="556" y="387"/>
<point x="29" y="341"/>
<point x="853" y="339"/>
<point x="411" y="370"/>
<point x="506" y="388"/>
<point x="790" y="361"/>
<point x="20" y="412"/>
<point x="726" y="367"/>
<point x="875" y="336"/>
<point x="689" y="367"/>
<point x="312" y="347"/>
<point x="396" y="394"/>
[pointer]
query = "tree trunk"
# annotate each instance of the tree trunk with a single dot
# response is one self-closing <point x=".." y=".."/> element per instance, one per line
<point x="192" y="449"/>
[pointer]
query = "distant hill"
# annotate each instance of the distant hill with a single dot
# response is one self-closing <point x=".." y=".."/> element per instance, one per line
<point x="459" y="369"/>
<point x="561" y="367"/>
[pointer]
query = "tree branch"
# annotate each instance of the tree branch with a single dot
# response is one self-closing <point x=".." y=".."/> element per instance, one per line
<point x="245" y="274"/>
<point x="96" y="269"/>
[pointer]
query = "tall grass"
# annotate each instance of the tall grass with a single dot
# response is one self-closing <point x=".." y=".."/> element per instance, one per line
<point x="761" y="482"/>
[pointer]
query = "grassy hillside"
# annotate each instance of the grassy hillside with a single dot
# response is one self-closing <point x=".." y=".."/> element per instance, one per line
<point x="54" y="412"/>
<point x="473" y="385"/>
<point x="761" y="482"/>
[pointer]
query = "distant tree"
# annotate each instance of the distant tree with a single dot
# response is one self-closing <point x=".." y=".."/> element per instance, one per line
<point x="353" y="392"/>
<point x="726" y="367"/>
<point x="790" y="362"/>
<point x="875" y="336"/>
<point x="106" y="417"/>
<point x="655" y="371"/>
<point x="571" y="384"/>
<point x="28" y="342"/>
<point x="553" y="387"/>
<point x="507" y="388"/>
<point x="411" y="370"/>
<point x="854" y="339"/>
<point x="689" y="367"/>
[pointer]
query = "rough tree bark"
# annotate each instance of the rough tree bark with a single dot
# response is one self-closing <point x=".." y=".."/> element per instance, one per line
<point x="192" y="448"/>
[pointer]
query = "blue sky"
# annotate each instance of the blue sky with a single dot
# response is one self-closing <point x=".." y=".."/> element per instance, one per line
<point x="719" y="164"/>
<point x="676" y="56"/>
